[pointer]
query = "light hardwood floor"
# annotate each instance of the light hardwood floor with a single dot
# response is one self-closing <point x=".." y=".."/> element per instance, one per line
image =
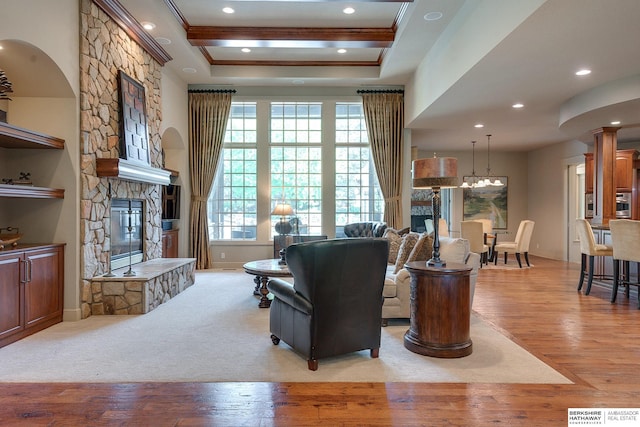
<point x="594" y="343"/>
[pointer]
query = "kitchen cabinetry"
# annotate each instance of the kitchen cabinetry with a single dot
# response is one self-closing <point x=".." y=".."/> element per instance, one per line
<point x="170" y="243"/>
<point x="588" y="172"/>
<point x="31" y="290"/>
<point x="16" y="137"/>
<point x="625" y="172"/>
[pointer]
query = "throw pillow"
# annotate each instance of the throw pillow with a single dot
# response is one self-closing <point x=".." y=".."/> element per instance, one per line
<point x="454" y="249"/>
<point x="423" y="248"/>
<point x="409" y="240"/>
<point x="395" y="240"/>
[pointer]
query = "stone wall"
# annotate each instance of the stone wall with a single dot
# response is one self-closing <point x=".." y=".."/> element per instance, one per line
<point x="105" y="48"/>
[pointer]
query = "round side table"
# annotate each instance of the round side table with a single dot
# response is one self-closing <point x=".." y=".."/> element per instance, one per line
<point x="440" y="310"/>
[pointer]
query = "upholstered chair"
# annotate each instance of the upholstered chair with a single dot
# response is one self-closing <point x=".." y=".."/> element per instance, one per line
<point x="589" y="248"/>
<point x="365" y="229"/>
<point x="625" y="239"/>
<point x="519" y="246"/>
<point x="489" y="237"/>
<point x="473" y="232"/>
<point x="334" y="304"/>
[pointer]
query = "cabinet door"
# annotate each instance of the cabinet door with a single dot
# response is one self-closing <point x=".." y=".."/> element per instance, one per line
<point x="10" y="294"/>
<point x="588" y="172"/>
<point x="170" y="244"/>
<point x="625" y="171"/>
<point x="43" y="289"/>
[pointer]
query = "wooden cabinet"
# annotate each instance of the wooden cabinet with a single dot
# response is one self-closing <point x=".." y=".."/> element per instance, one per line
<point x="170" y="243"/>
<point x="15" y="137"/>
<point x="625" y="171"/>
<point x="588" y="172"/>
<point x="31" y="290"/>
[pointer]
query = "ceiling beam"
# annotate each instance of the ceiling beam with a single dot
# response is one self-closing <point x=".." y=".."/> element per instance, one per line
<point x="291" y="37"/>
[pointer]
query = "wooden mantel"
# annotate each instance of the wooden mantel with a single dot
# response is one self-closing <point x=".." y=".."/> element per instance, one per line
<point x="132" y="171"/>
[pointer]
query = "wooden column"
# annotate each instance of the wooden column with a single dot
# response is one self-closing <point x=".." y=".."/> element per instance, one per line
<point x="604" y="185"/>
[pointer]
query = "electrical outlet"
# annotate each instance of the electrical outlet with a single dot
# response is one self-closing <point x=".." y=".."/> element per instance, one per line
<point x="537" y="245"/>
<point x="222" y="255"/>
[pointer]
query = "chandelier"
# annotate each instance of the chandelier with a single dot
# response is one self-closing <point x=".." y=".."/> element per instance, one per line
<point x="473" y="181"/>
<point x="487" y="180"/>
<point x="481" y="181"/>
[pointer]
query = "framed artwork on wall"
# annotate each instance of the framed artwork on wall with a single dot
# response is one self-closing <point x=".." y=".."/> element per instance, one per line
<point x="487" y="203"/>
<point x="134" y="135"/>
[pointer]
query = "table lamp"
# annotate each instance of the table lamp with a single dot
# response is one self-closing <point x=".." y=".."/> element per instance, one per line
<point x="282" y="209"/>
<point x="435" y="173"/>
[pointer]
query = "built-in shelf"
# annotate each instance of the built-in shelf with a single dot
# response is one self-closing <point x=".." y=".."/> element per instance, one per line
<point x="16" y="137"/>
<point x="28" y="192"/>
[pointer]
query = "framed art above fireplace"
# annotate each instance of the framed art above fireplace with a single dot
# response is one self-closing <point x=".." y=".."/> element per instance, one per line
<point x="134" y="135"/>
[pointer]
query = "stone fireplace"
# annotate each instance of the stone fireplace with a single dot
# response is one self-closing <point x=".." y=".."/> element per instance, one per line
<point x="106" y="49"/>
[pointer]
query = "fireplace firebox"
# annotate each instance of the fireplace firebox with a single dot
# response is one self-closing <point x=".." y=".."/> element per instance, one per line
<point x="127" y="232"/>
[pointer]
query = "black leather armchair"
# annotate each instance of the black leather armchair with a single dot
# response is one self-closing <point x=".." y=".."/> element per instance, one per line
<point x="365" y="229"/>
<point x="334" y="305"/>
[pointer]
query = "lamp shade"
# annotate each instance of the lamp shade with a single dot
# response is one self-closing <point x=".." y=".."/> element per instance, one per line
<point x="432" y="172"/>
<point x="282" y="209"/>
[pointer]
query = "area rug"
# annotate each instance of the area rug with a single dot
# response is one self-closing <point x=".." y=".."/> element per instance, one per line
<point x="214" y="331"/>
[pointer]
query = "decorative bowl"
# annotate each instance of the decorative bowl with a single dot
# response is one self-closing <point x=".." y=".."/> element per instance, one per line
<point x="9" y="239"/>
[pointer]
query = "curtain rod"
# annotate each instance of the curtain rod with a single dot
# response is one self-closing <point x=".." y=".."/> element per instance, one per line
<point x="212" y="91"/>
<point x="382" y="91"/>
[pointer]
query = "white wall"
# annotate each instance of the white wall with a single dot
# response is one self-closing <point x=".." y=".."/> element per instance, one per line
<point x="547" y="197"/>
<point x="175" y="140"/>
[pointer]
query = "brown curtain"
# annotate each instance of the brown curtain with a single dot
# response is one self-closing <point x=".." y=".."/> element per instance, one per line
<point x="208" y="114"/>
<point x="384" y="113"/>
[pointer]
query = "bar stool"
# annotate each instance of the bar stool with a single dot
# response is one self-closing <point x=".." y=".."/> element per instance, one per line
<point x="625" y="237"/>
<point x="591" y="249"/>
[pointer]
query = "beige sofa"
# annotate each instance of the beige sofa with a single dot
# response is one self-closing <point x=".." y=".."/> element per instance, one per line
<point x="396" y="290"/>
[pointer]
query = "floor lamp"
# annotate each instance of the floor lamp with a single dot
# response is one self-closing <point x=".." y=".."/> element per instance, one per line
<point x="435" y="173"/>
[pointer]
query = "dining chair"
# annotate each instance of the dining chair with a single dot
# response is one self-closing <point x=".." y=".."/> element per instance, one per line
<point x="518" y="246"/>
<point x="473" y="232"/>
<point x="489" y="236"/>
<point x="625" y="239"/>
<point x="589" y="248"/>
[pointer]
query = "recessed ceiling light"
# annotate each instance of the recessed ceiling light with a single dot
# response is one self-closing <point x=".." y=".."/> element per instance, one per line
<point x="479" y="125"/>
<point x="189" y="70"/>
<point x="246" y="50"/>
<point x="615" y="122"/>
<point x="348" y="10"/>
<point x="433" y="16"/>
<point x="517" y="105"/>
<point x="163" y="40"/>
<point x="342" y="50"/>
<point x="228" y="10"/>
<point x="583" y="72"/>
<point x="148" y="25"/>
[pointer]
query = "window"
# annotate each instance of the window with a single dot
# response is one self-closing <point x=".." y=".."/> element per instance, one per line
<point x="233" y="202"/>
<point x="292" y="152"/>
<point x="296" y="162"/>
<point x="358" y="194"/>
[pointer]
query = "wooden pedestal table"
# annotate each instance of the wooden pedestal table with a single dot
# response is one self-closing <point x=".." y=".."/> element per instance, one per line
<point x="262" y="270"/>
<point x="440" y="310"/>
